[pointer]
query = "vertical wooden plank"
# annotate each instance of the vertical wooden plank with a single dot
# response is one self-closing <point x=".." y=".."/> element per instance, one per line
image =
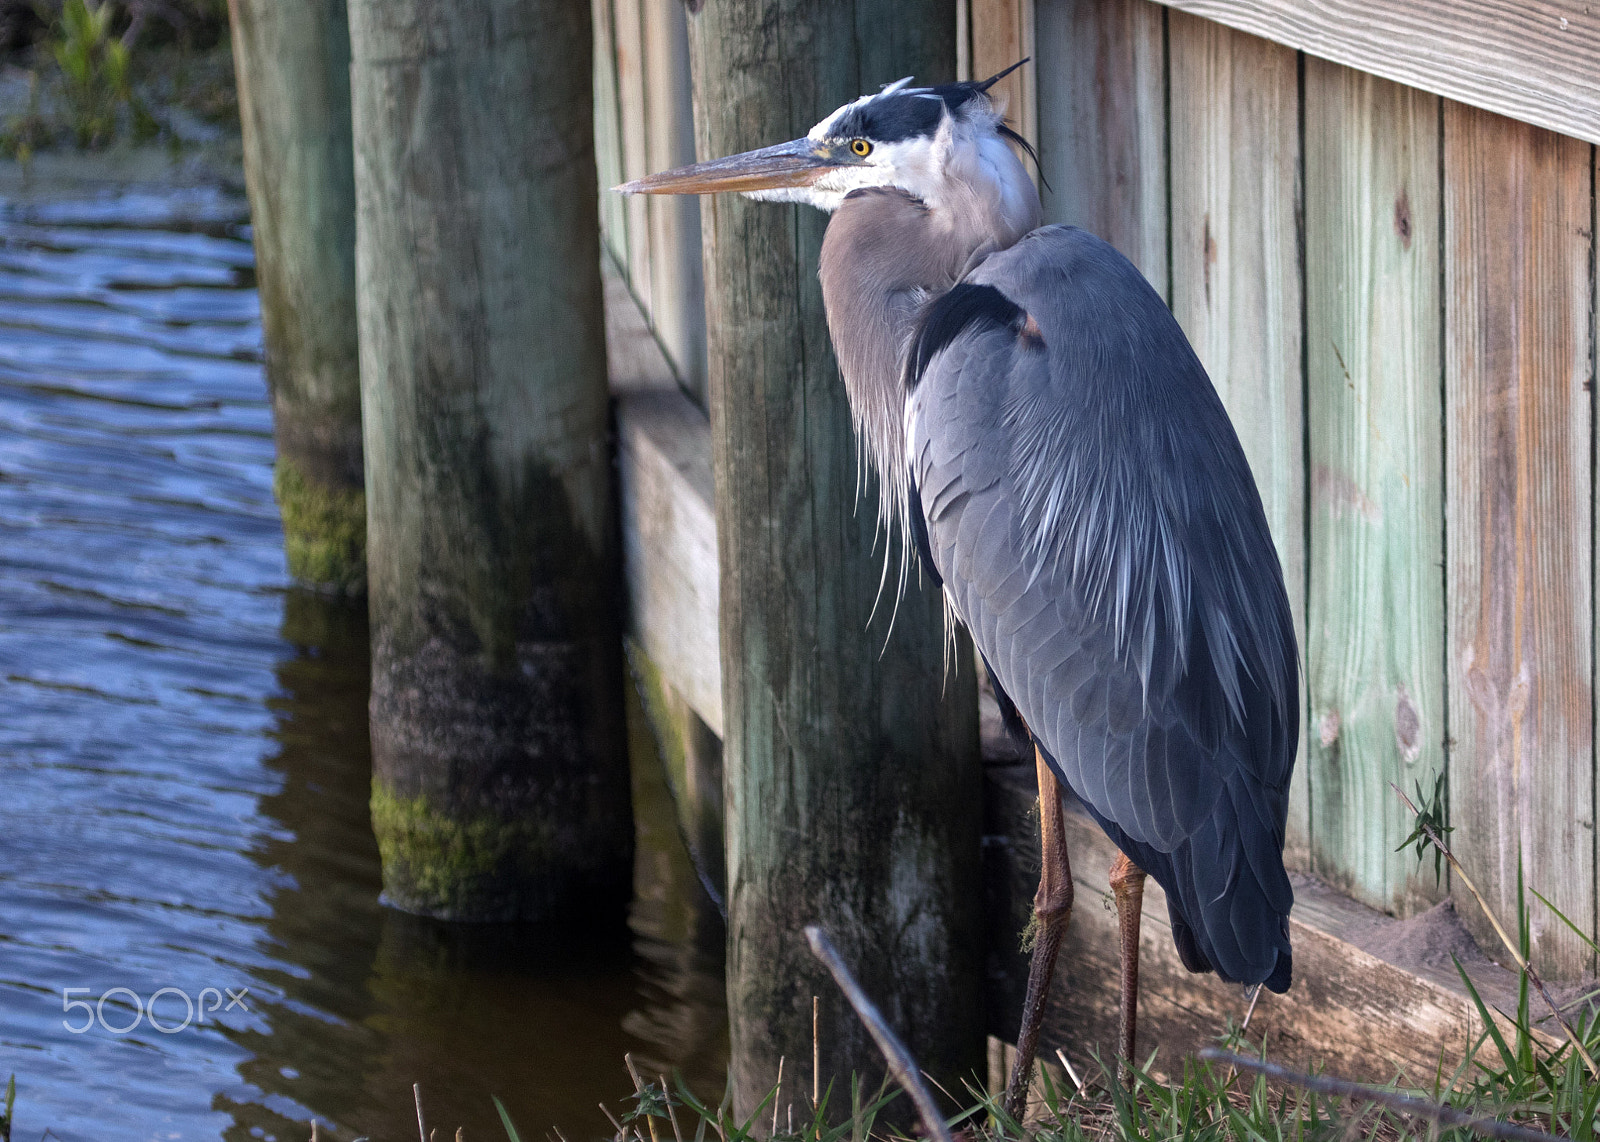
<point x="608" y="134"/>
<point x="632" y="95"/>
<point x="1002" y="33"/>
<point x="677" y="289"/>
<point x="1103" y="124"/>
<point x="1236" y="284"/>
<point x="1518" y="362"/>
<point x="1375" y="611"/>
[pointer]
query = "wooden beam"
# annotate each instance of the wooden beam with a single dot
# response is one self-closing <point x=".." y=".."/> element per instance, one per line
<point x="1236" y="274"/>
<point x="1376" y="429"/>
<point x="1519" y="360"/>
<point x="851" y="754"/>
<point x="1371" y="995"/>
<point x="669" y="526"/>
<point x="1536" y="60"/>
<point x="1102" y="115"/>
<point x="608" y="133"/>
<point x="500" y="767"/>
<point x="292" y="63"/>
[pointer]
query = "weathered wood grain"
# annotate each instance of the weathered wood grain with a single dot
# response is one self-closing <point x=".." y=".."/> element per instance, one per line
<point x="1534" y="60"/>
<point x="608" y="135"/>
<point x="852" y="766"/>
<point x="1102" y="72"/>
<point x="633" y="110"/>
<point x="500" y="776"/>
<point x="1236" y="273"/>
<point x="1518" y="206"/>
<point x="1375" y="613"/>
<point x="1352" y="1010"/>
<point x="677" y="290"/>
<point x="1001" y="34"/>
<point x="292" y="62"/>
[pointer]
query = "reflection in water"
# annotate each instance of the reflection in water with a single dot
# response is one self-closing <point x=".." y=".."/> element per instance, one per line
<point x="184" y="765"/>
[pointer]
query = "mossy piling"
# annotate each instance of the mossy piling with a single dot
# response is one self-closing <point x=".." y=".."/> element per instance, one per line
<point x="292" y="63"/>
<point x="500" y="785"/>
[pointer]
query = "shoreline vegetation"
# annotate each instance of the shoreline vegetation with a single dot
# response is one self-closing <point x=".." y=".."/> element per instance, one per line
<point x="116" y="91"/>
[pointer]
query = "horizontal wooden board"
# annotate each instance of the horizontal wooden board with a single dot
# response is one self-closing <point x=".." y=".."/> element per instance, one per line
<point x="1534" y="60"/>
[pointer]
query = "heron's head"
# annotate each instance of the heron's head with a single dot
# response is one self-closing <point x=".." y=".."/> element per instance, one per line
<point x="942" y="145"/>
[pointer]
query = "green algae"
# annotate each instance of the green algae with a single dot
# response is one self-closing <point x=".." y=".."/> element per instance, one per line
<point x="324" y="530"/>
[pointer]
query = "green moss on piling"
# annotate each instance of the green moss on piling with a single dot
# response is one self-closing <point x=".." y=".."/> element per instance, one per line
<point x="476" y="868"/>
<point x="324" y="530"/>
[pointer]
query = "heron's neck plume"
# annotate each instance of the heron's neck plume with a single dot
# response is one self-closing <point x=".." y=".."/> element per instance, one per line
<point x="887" y="254"/>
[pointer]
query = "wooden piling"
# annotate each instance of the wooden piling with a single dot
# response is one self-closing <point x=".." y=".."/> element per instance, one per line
<point x="852" y="772"/>
<point x="500" y="786"/>
<point x="292" y="62"/>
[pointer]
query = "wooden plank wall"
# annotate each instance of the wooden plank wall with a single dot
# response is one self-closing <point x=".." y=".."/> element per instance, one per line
<point x="1395" y="295"/>
<point x="1352" y="258"/>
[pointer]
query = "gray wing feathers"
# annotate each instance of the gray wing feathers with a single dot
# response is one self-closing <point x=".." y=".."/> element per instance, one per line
<point x="1097" y="529"/>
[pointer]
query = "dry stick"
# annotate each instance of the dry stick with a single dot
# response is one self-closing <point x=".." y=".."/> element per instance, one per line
<point x="638" y="1089"/>
<point x="816" y="1058"/>
<point x="666" y="1093"/>
<point x="1527" y="968"/>
<point x="622" y="1131"/>
<point x="1407" y="1104"/>
<point x="777" y="1095"/>
<point x="416" y="1093"/>
<point x="1071" y="1074"/>
<point x="901" y="1064"/>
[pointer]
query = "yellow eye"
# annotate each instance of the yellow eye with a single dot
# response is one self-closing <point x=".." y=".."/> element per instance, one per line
<point x="860" y="147"/>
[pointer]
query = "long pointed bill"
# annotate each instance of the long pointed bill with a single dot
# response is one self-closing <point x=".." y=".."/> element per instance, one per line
<point x="795" y="163"/>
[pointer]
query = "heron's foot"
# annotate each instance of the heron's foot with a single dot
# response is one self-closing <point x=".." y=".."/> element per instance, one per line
<point x="1052" y="909"/>
<point x="1127" y="886"/>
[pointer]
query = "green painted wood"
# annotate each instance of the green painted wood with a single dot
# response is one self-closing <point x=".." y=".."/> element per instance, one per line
<point x="852" y="775"/>
<point x="292" y="64"/>
<point x="1102" y="68"/>
<point x="1519" y="365"/>
<point x="1236" y="276"/>
<point x="500" y="785"/>
<point x="1376" y="428"/>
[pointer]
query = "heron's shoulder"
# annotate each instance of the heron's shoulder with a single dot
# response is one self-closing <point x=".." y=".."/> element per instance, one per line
<point x="1060" y="258"/>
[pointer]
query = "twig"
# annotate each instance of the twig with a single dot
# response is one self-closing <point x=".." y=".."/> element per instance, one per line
<point x="816" y="1058"/>
<point x="622" y="1131"/>
<point x="666" y="1092"/>
<point x="638" y="1089"/>
<point x="416" y="1093"/>
<point x="777" y="1095"/>
<point x="1071" y="1074"/>
<point x="1527" y="968"/>
<point x="1407" y="1104"/>
<point x="901" y="1064"/>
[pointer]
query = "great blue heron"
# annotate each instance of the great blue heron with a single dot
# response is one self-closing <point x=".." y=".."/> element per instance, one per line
<point x="1055" y="451"/>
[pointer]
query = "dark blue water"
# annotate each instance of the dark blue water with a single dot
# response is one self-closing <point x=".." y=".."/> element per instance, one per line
<point x="184" y="768"/>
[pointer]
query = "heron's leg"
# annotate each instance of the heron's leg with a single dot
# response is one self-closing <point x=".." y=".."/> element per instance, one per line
<point x="1127" y="885"/>
<point x="1052" y="907"/>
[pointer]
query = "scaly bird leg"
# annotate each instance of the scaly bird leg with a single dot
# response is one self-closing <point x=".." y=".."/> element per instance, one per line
<point x="1052" y="908"/>
<point x="1127" y="885"/>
